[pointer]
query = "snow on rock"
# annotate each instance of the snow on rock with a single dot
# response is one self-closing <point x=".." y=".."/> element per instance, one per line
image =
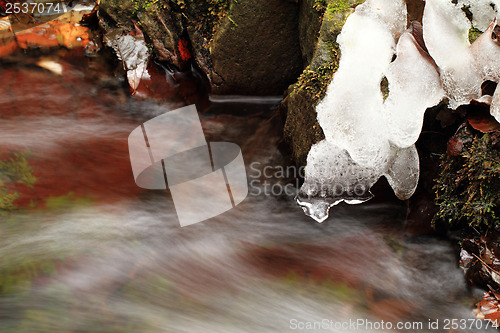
<point x="351" y="109"/>
<point x="482" y="11"/>
<point x="463" y="67"/>
<point x="495" y="105"/>
<point x="366" y="138"/>
<point x="446" y="33"/>
<point x="486" y="52"/>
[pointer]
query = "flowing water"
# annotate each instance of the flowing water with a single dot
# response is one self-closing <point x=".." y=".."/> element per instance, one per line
<point x="90" y="252"/>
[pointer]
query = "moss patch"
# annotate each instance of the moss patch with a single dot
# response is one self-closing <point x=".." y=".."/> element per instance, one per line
<point x="301" y="128"/>
<point x="474" y="34"/>
<point x="468" y="187"/>
<point x="204" y="16"/>
<point x="13" y="169"/>
<point x="315" y="82"/>
<point x="341" y="6"/>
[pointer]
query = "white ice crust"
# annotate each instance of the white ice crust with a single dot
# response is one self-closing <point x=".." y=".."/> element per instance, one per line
<point x="463" y="67"/>
<point x="367" y="137"/>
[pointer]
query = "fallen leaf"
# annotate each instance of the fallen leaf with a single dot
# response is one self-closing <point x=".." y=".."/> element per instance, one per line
<point x="8" y="45"/>
<point x="184" y="50"/>
<point x="132" y="50"/>
<point x="480" y="118"/>
<point x="54" y="34"/>
<point x="489" y="307"/>
<point x="455" y="146"/>
<point x="135" y="75"/>
<point x="4" y="24"/>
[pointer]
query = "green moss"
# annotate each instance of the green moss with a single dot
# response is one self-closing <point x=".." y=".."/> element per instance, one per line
<point x="340" y="6"/>
<point x="320" y="5"/>
<point x="14" y="169"/>
<point x="149" y="6"/>
<point x="314" y="82"/>
<point x="301" y="128"/>
<point x="67" y="201"/>
<point x="204" y="16"/>
<point x="468" y="188"/>
<point x="384" y="88"/>
<point x="474" y="34"/>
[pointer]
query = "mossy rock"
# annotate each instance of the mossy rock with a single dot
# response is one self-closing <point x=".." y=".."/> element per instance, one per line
<point x="167" y="23"/>
<point x="468" y="187"/>
<point x="161" y="25"/>
<point x="301" y="127"/>
<point x="246" y="47"/>
<point x="310" y="18"/>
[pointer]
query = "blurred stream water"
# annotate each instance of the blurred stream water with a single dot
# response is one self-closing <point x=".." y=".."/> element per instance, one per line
<point x="97" y="254"/>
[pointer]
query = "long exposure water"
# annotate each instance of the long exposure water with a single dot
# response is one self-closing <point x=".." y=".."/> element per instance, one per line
<point x="88" y="251"/>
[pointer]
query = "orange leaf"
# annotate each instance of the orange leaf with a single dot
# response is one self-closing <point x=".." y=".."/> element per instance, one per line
<point x="480" y="118"/>
<point x="489" y="307"/>
<point x="54" y="34"/>
<point x="7" y="46"/>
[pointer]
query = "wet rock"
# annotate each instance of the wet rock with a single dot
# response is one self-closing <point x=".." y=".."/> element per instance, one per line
<point x="256" y="50"/>
<point x="160" y="23"/>
<point x="244" y="47"/>
<point x="310" y="20"/>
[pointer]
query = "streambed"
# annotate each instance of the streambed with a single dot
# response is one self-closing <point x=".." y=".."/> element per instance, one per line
<point x="88" y="251"/>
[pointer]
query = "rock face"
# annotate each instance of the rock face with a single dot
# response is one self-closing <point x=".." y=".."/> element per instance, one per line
<point x="256" y="50"/>
<point x="159" y="22"/>
<point x="244" y="47"/>
<point x="309" y="25"/>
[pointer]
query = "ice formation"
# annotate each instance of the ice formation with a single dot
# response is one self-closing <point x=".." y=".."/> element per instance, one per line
<point x="332" y="177"/>
<point x="365" y="137"/>
<point x="463" y="67"/>
<point x="495" y="105"/>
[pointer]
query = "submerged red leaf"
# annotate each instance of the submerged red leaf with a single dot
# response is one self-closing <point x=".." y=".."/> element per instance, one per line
<point x="489" y="307"/>
<point x="184" y="50"/>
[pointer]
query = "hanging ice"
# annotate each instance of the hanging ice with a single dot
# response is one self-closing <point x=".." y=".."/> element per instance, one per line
<point x="414" y="85"/>
<point x="366" y="138"/>
<point x="332" y="177"/>
<point x="463" y="67"/>
<point x="495" y="105"/>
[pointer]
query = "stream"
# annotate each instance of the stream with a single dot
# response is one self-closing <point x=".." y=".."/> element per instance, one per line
<point x="89" y="251"/>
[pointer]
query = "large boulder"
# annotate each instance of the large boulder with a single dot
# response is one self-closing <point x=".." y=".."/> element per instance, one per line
<point x="256" y="50"/>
